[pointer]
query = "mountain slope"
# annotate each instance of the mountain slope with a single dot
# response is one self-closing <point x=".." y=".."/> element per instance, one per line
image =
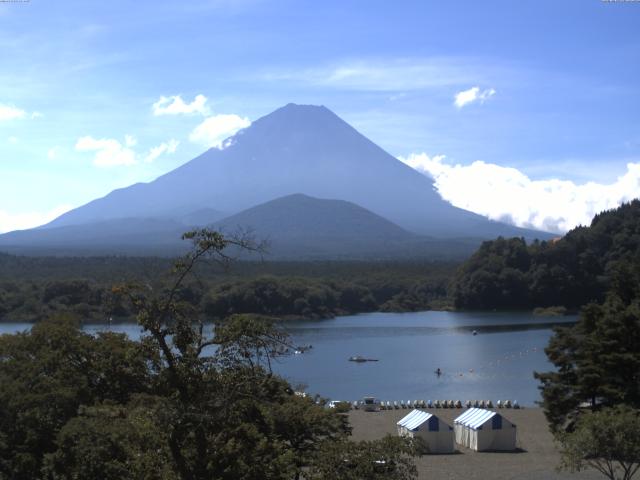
<point x="297" y="148"/>
<point x="136" y="236"/>
<point x="299" y="215"/>
<point x="296" y="227"/>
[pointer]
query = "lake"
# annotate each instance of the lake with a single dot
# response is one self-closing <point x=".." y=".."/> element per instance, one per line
<point x="497" y="363"/>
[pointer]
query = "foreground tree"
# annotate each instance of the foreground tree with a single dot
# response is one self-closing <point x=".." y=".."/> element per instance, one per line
<point x="386" y="459"/>
<point x="186" y="402"/>
<point x="598" y="360"/>
<point x="608" y="441"/>
<point x="226" y="415"/>
<point x="111" y="442"/>
<point x="222" y="407"/>
<point x="47" y="374"/>
<point x="598" y="366"/>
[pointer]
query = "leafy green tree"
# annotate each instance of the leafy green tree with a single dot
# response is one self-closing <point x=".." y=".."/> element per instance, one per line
<point x="225" y="414"/>
<point x="111" y="442"/>
<point x="608" y="441"/>
<point x="186" y="402"/>
<point x="386" y="459"/>
<point x="597" y="361"/>
<point x="46" y="375"/>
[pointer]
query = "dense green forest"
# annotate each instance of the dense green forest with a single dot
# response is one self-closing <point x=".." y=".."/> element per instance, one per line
<point x="571" y="271"/>
<point x="35" y="287"/>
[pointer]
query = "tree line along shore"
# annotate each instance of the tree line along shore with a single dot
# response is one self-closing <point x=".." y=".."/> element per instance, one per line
<point x="549" y="277"/>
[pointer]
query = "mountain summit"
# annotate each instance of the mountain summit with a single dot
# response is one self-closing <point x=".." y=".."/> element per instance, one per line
<point x="295" y="149"/>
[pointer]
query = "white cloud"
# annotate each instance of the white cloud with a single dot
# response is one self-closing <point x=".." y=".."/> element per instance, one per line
<point x="506" y="194"/>
<point x="9" y="112"/>
<point x="165" y="147"/>
<point x="20" y="221"/>
<point x="174" y="105"/>
<point x="474" y="94"/>
<point x="37" y="115"/>
<point x="214" y="130"/>
<point x="109" y="152"/>
<point x="393" y="75"/>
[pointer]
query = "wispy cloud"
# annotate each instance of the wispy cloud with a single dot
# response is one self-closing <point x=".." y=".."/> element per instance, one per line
<point x="108" y="152"/>
<point x="215" y="129"/>
<point x="391" y="75"/>
<point x="174" y="105"/>
<point x="474" y="94"/>
<point x="21" y="221"/>
<point x="169" y="147"/>
<point x="10" y="112"/>
<point x="506" y="194"/>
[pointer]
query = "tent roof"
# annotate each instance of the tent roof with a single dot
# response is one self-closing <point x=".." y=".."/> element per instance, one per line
<point x="475" y="417"/>
<point x="414" y="419"/>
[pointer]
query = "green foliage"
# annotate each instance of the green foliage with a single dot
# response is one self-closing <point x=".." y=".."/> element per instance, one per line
<point x="570" y="272"/>
<point x="598" y="360"/>
<point x="110" y="442"/>
<point x="608" y="441"/>
<point x="46" y="375"/>
<point x="387" y="459"/>
<point x="34" y="288"/>
<point x="182" y="403"/>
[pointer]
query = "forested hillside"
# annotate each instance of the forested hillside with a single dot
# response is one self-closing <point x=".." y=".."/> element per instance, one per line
<point x="35" y="287"/>
<point x="570" y="272"/>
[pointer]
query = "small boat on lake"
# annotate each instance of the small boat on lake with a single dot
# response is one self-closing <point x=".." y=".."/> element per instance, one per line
<point x="359" y="359"/>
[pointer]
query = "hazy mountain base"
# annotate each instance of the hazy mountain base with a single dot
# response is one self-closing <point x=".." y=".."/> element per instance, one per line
<point x="295" y="227"/>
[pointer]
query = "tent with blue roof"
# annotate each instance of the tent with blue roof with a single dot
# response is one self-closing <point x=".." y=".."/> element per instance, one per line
<point x="480" y="429"/>
<point x="436" y="434"/>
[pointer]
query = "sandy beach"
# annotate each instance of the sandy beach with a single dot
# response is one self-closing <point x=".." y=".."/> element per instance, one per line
<point x="536" y="458"/>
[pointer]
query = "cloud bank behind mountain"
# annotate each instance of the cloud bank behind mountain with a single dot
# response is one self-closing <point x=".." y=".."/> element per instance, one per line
<point x="508" y="195"/>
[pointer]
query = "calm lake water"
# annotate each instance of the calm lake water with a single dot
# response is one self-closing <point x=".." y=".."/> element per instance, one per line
<point x="497" y="363"/>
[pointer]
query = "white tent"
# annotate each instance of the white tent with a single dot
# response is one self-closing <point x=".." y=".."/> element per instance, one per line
<point x="437" y="435"/>
<point x="480" y="429"/>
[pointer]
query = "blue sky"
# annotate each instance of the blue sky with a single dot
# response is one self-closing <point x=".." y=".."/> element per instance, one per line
<point x="551" y="89"/>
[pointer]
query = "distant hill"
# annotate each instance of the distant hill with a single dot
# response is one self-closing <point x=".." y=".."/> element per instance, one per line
<point x="296" y="149"/>
<point x="299" y="226"/>
<point x="298" y="217"/>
